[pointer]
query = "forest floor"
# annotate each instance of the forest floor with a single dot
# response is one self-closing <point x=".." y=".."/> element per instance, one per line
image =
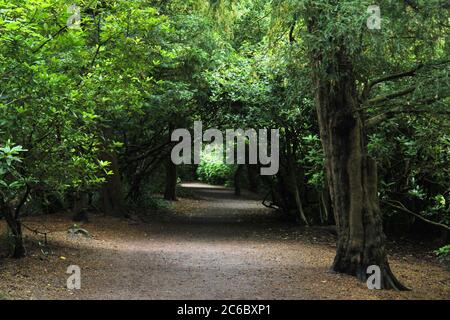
<point x="213" y="245"/>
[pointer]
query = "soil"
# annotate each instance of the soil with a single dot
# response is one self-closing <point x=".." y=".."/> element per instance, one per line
<point x="210" y="246"/>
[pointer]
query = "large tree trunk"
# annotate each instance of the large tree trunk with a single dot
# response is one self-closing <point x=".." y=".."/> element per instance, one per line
<point x="352" y="175"/>
<point x="171" y="181"/>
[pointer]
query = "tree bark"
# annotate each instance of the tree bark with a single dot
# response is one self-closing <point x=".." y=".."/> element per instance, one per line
<point x="111" y="193"/>
<point x="19" y="247"/>
<point x="351" y="174"/>
<point x="112" y="197"/>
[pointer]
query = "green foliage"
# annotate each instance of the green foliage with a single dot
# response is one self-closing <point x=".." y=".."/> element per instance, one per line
<point x="151" y="202"/>
<point x="413" y="154"/>
<point x="136" y="70"/>
<point x="9" y="157"/>
<point x="214" y="171"/>
<point x="40" y="105"/>
<point x="11" y="180"/>
<point x="443" y="253"/>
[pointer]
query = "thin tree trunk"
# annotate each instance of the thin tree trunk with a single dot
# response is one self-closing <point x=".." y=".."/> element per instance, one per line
<point x="299" y="204"/>
<point x="19" y="247"/>
<point x="326" y="203"/>
<point x="292" y="172"/>
<point x="324" y="216"/>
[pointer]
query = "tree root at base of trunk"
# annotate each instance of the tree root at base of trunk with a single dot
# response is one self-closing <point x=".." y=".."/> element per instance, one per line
<point x="388" y="279"/>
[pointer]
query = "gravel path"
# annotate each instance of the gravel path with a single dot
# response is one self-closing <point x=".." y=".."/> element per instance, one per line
<point x="215" y="246"/>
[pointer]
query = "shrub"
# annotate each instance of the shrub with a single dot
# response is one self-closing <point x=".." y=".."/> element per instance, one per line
<point x="213" y="170"/>
<point x="443" y="254"/>
<point x="215" y="173"/>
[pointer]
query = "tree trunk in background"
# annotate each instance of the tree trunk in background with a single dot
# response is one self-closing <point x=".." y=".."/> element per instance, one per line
<point x="171" y="181"/>
<point x="112" y="197"/>
<point x="80" y="206"/>
<point x="111" y="193"/>
<point x="292" y="173"/>
<point x="352" y="175"/>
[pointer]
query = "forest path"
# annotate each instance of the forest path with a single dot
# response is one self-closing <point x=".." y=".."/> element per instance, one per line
<point x="210" y="246"/>
<point x="216" y="246"/>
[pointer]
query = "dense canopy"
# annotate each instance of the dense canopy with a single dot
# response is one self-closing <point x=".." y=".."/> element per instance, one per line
<point x="90" y="94"/>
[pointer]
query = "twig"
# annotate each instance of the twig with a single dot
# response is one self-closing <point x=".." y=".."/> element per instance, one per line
<point x="36" y="231"/>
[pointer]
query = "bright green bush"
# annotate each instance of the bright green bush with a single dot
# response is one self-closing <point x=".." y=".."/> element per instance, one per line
<point x="215" y="173"/>
<point x="213" y="170"/>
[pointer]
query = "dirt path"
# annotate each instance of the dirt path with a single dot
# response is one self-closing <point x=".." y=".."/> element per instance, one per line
<point x="216" y="246"/>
